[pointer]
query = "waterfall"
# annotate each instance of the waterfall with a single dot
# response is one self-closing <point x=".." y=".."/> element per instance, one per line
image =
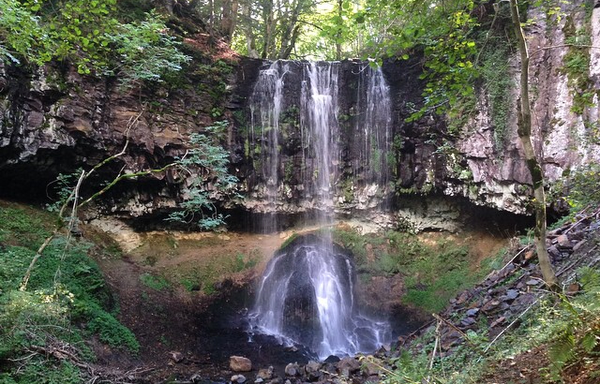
<point x="376" y="127"/>
<point x="319" y="125"/>
<point x="265" y="112"/>
<point x="306" y="294"/>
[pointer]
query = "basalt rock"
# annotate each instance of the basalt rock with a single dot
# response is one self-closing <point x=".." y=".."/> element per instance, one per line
<point x="240" y="364"/>
<point x="54" y="120"/>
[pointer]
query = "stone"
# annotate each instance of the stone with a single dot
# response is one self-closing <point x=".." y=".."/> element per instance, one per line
<point x="239" y="379"/>
<point x="490" y="305"/>
<point x="498" y="321"/>
<point x="265" y="373"/>
<point x="259" y="381"/>
<point x="312" y="366"/>
<point x="463" y="298"/>
<point x="332" y="359"/>
<point x="348" y="363"/>
<point x="371" y="367"/>
<point x="240" y="364"/>
<point x="176" y="356"/>
<point x="467" y="321"/>
<point x="533" y="282"/>
<point x="510" y="295"/>
<point x="578" y="245"/>
<point x="472" y="312"/>
<point x="529" y="254"/>
<point x="553" y="252"/>
<point x="292" y="369"/>
<point x="313" y="370"/>
<point x="563" y="242"/>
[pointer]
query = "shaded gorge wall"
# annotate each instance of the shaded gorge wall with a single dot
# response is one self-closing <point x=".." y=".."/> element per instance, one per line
<point x="314" y="130"/>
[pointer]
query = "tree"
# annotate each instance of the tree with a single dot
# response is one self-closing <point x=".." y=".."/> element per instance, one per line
<point x="89" y="36"/>
<point x="271" y="29"/>
<point x="534" y="166"/>
<point x="446" y="33"/>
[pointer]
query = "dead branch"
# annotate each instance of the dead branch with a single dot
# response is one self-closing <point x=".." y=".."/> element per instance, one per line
<point x="435" y="346"/>
<point x="510" y="325"/>
<point x="454" y="327"/>
<point x="74" y="196"/>
<point x="95" y="374"/>
<point x="515" y="257"/>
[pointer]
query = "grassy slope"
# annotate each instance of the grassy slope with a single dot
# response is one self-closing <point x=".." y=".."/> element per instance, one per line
<point x="66" y="303"/>
<point x="557" y="341"/>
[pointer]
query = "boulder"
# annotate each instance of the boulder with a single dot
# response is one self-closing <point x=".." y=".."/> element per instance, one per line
<point x="313" y="370"/>
<point x="292" y="369"/>
<point x="265" y="373"/>
<point x="240" y="364"/>
<point x="176" y="356"/>
<point x="348" y="364"/>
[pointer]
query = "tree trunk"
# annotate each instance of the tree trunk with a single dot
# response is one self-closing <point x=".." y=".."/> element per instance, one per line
<point x="268" y="18"/>
<point x="534" y="166"/>
<point x="228" y="18"/>
<point x="338" y="37"/>
<point x="247" y="26"/>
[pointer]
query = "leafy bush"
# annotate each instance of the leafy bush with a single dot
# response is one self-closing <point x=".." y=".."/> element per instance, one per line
<point x="89" y="35"/>
<point x="208" y="161"/>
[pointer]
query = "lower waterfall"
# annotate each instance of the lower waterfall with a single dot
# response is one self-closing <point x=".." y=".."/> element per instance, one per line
<point x="306" y="296"/>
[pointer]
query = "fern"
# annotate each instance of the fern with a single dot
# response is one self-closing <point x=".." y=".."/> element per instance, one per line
<point x="579" y="335"/>
<point x="589" y="341"/>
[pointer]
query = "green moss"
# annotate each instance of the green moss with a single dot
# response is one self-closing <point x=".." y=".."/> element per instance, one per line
<point x="158" y="283"/>
<point x="66" y="301"/>
<point x="206" y="277"/>
<point x="433" y="272"/>
<point x="498" y="84"/>
<point x="576" y="64"/>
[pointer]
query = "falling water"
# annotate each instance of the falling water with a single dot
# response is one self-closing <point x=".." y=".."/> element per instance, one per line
<point x="265" y="110"/>
<point x="375" y="123"/>
<point x="306" y="295"/>
<point x="319" y="125"/>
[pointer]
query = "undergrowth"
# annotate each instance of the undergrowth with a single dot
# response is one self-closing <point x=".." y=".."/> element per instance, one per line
<point x="566" y="329"/>
<point x="65" y="304"/>
<point x="434" y="272"/>
<point x="206" y="278"/>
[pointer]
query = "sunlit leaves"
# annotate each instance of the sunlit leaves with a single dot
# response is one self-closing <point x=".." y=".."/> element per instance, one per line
<point x="207" y="163"/>
<point x="89" y="35"/>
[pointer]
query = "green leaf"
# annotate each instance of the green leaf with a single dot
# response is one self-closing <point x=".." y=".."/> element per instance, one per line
<point x="589" y="342"/>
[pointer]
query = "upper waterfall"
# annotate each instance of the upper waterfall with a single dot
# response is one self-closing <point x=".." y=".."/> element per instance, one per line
<point x="319" y="135"/>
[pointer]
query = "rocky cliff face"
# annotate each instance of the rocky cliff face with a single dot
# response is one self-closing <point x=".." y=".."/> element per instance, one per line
<point x="54" y="120"/>
<point x="484" y="162"/>
<point x="565" y="113"/>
